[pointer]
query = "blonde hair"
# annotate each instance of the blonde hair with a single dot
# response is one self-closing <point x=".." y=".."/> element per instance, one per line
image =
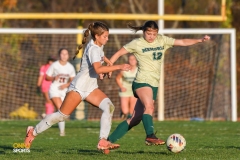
<point x="96" y="28"/>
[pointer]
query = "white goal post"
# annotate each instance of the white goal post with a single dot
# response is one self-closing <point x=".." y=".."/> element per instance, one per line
<point x="160" y="116"/>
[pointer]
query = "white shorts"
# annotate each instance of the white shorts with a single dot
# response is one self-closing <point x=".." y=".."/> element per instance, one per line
<point x="83" y="94"/>
<point x="53" y="92"/>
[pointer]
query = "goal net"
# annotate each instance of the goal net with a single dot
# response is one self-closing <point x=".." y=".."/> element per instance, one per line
<point x="199" y="80"/>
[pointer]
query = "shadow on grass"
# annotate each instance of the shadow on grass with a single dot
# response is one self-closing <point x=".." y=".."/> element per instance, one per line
<point x="141" y="152"/>
<point x="233" y="147"/>
<point x="222" y="147"/>
<point x="81" y="151"/>
<point x="5" y="147"/>
<point x="96" y="152"/>
<point x="88" y="152"/>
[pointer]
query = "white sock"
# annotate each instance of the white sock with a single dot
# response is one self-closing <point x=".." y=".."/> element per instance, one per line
<point x="48" y="121"/>
<point x="61" y="126"/>
<point x="106" y="120"/>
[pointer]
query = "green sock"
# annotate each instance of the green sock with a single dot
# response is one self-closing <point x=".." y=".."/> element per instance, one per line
<point x="129" y="116"/>
<point x="119" y="132"/>
<point x="148" y="124"/>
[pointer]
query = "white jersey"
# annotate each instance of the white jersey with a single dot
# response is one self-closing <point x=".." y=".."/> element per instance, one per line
<point x="86" y="79"/>
<point x="65" y="72"/>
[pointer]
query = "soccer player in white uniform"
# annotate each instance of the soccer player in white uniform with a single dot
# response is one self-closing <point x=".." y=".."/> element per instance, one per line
<point x="61" y="73"/>
<point x="149" y="51"/>
<point x="84" y="87"/>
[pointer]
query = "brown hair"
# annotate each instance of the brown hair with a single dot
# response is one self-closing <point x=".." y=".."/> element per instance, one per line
<point x="96" y="28"/>
<point x="147" y="25"/>
<point x="61" y="49"/>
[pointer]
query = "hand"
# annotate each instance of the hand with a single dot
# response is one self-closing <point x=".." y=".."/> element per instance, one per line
<point x="102" y="75"/>
<point x="125" y="67"/>
<point x="205" y="38"/>
<point x="123" y="89"/>
<point x="109" y="74"/>
<point x="56" y="77"/>
<point x="63" y="86"/>
<point x="39" y="90"/>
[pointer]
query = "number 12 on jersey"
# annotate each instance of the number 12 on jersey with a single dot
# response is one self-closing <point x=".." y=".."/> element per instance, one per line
<point x="157" y="55"/>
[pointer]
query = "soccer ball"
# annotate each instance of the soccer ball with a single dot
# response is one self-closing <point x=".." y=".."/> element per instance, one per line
<point x="176" y="143"/>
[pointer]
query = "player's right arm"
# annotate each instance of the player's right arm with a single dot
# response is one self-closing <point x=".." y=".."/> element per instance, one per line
<point x="49" y="74"/>
<point x="105" y="69"/>
<point x="51" y="78"/>
<point x="118" y="54"/>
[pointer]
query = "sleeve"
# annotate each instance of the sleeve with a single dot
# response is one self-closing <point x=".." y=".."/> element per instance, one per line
<point x="50" y="70"/>
<point x="42" y="71"/>
<point x="168" y="41"/>
<point x="94" y="55"/>
<point x="131" y="46"/>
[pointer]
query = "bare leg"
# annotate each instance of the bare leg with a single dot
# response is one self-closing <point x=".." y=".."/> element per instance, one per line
<point x="146" y="96"/>
<point x="125" y="105"/>
<point x="132" y="104"/>
<point x="70" y="102"/>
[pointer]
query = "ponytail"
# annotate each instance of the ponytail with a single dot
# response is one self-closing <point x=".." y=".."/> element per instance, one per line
<point x="85" y="35"/>
<point x="96" y="28"/>
<point x="134" y="28"/>
<point x="147" y="25"/>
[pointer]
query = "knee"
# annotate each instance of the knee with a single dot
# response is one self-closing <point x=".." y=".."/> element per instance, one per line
<point x="107" y="105"/>
<point x="62" y="116"/>
<point x="149" y="108"/>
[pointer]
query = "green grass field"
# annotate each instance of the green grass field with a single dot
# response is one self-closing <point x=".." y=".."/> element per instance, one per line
<point x="205" y="140"/>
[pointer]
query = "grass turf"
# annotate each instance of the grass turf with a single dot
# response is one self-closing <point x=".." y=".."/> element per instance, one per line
<point x="205" y="140"/>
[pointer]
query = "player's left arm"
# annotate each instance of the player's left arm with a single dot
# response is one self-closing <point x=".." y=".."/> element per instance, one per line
<point x="188" y="42"/>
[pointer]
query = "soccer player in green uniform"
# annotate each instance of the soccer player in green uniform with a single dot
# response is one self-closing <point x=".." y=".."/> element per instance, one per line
<point x="149" y="51"/>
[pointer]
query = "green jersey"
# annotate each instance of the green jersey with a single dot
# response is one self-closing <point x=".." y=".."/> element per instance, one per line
<point x="149" y="57"/>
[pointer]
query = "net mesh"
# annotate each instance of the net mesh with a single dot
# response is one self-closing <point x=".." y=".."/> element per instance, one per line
<point x="197" y="78"/>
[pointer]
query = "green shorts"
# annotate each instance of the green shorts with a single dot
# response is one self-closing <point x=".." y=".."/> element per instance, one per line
<point x="136" y="85"/>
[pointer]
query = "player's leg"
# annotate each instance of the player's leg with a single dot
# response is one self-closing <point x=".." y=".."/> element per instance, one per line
<point x="57" y="101"/>
<point x="124" y="106"/>
<point x="146" y="95"/>
<point x="70" y="102"/>
<point x="99" y="99"/>
<point x="49" y="107"/>
<point x="132" y="104"/>
<point x="126" y="125"/>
